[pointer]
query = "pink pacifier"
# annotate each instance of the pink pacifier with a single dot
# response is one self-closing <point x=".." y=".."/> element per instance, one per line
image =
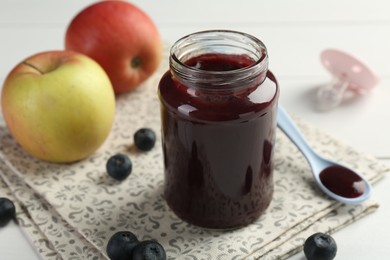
<point x="349" y="73"/>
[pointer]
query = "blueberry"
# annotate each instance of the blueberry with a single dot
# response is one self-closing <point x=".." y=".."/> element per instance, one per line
<point x="119" y="166"/>
<point x="320" y="246"/>
<point x="149" y="250"/>
<point x="144" y="139"/>
<point x="121" y="245"/>
<point x="7" y="211"/>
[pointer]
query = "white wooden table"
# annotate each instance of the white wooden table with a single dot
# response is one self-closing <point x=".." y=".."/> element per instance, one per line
<point x="295" y="33"/>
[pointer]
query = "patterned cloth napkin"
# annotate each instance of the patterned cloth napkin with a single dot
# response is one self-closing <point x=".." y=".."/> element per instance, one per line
<point x="69" y="211"/>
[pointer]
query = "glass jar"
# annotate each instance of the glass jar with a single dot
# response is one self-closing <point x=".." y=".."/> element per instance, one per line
<point x="218" y="110"/>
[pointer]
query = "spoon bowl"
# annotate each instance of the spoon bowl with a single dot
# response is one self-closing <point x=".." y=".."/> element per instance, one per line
<point x="337" y="181"/>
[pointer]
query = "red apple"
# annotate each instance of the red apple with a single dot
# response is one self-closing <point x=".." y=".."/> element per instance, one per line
<point x="121" y="38"/>
<point x="58" y="105"/>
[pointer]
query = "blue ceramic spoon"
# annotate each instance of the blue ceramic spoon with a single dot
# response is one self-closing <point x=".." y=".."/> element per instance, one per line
<point x="337" y="181"/>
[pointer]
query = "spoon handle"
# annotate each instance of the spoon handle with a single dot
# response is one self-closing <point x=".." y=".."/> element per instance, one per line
<point x="287" y="125"/>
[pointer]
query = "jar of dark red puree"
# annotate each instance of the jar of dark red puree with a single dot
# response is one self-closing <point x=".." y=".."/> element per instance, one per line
<point x="218" y="110"/>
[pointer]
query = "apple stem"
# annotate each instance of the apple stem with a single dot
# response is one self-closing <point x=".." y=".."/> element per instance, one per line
<point x="136" y="62"/>
<point x="27" y="63"/>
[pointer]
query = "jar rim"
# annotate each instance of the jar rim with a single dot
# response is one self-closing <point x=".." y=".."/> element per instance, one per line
<point x="190" y="73"/>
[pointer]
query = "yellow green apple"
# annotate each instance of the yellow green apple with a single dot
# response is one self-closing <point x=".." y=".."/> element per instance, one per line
<point x="58" y="105"/>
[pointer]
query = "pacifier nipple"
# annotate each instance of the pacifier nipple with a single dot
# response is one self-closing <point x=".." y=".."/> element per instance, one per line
<point x="349" y="74"/>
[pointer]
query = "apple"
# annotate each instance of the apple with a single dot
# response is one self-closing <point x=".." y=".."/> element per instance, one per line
<point x="58" y="105"/>
<point x="121" y="38"/>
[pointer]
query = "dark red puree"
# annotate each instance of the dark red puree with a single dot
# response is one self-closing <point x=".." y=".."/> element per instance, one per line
<point x="218" y="147"/>
<point x="343" y="182"/>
